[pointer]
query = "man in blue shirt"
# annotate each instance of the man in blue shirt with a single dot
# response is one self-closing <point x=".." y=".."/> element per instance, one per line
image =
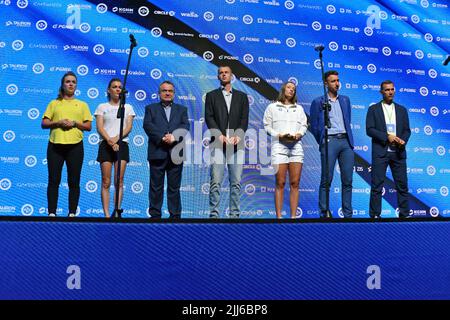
<point x="340" y="142"/>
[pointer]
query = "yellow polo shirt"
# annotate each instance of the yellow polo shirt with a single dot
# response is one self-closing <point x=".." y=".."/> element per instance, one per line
<point x="73" y="109"/>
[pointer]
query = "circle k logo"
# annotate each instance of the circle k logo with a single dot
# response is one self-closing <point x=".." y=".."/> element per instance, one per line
<point x="208" y="56"/>
<point x="17" y="45"/>
<point x="102" y="8"/>
<point x="248" y="58"/>
<point x="30" y="161"/>
<point x="368" y="31"/>
<point x="82" y="70"/>
<point x="156" y="74"/>
<point x="333" y="46"/>
<point x="27" y="209"/>
<point x="138" y="140"/>
<point x="5" y="184"/>
<point x="331" y="9"/>
<point x="41" y="25"/>
<point x="371" y="68"/>
<point x="143" y="11"/>
<point x="137" y="187"/>
<point x="156" y="32"/>
<point x="230" y="37"/>
<point x="92" y="93"/>
<point x="316" y="26"/>
<point x="33" y="113"/>
<point x="143" y="52"/>
<point x="91" y="186"/>
<point x="98" y="49"/>
<point x="423" y="91"/>
<point x="387" y="51"/>
<point x="140" y="95"/>
<point x="247" y="19"/>
<point x="12" y="89"/>
<point x="290" y="42"/>
<point x="289" y="5"/>
<point x="38" y="68"/>
<point x="208" y="16"/>
<point x="93" y="138"/>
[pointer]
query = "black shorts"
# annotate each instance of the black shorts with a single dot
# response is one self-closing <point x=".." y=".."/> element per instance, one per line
<point x="106" y="153"/>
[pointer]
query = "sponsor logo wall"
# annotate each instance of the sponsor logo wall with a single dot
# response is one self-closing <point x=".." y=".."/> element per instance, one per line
<point x="267" y="43"/>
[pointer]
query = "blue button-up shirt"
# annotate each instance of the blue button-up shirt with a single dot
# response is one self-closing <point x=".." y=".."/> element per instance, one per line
<point x="336" y="117"/>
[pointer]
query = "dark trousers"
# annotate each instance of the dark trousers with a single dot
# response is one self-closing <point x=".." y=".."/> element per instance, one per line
<point x="72" y="155"/>
<point x="158" y="169"/>
<point x="338" y="150"/>
<point x="398" y="168"/>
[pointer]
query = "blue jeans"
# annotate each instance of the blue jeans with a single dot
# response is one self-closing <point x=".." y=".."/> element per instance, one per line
<point x="340" y="150"/>
<point x="234" y="163"/>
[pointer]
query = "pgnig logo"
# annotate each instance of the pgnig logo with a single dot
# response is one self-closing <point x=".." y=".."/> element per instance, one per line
<point x="27" y="209"/>
<point x="368" y="31"/>
<point x="444" y="191"/>
<point x="91" y="186"/>
<point x="85" y="27"/>
<point x="138" y="140"/>
<point x="331" y="9"/>
<point x="92" y="93"/>
<point x="333" y="46"/>
<point x="143" y="52"/>
<point x="41" y="25"/>
<point x="12" y="89"/>
<point x="137" y="187"/>
<point x="415" y="18"/>
<point x="423" y="91"/>
<point x="156" y="32"/>
<point x="431" y="170"/>
<point x="432" y="73"/>
<point x="248" y="58"/>
<point x="289" y="5"/>
<point x="9" y="136"/>
<point x="419" y="54"/>
<point x="440" y="150"/>
<point x="156" y="74"/>
<point x="248" y="19"/>
<point x="5" y="184"/>
<point x="371" y="68"/>
<point x="140" y="95"/>
<point x="22" y="4"/>
<point x="33" y="113"/>
<point x="230" y="37"/>
<point x="99" y="49"/>
<point x="317" y="64"/>
<point x="428" y="37"/>
<point x="143" y="11"/>
<point x="208" y="16"/>
<point x="298" y="213"/>
<point x="38" y="68"/>
<point x="93" y="138"/>
<point x="387" y="51"/>
<point x="17" y="45"/>
<point x="30" y="161"/>
<point x="428" y="130"/>
<point x="102" y="8"/>
<point x="294" y="80"/>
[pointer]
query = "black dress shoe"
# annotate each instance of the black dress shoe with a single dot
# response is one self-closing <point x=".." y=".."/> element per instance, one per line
<point x="326" y="214"/>
<point x="376" y="217"/>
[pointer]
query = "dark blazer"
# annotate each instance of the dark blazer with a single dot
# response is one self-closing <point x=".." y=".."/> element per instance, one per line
<point x="156" y="126"/>
<point x="216" y="111"/>
<point x="317" y="121"/>
<point x="376" y="129"/>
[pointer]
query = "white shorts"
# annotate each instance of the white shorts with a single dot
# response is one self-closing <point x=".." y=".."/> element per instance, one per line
<point x="285" y="153"/>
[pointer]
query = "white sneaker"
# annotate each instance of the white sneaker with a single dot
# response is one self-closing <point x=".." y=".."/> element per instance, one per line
<point x="52" y="214"/>
<point x="71" y="215"/>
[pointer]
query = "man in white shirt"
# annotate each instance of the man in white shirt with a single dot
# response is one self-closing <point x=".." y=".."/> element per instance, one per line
<point x="387" y="123"/>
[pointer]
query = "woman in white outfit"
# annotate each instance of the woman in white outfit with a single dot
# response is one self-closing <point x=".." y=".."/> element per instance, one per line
<point x="286" y="122"/>
<point x="108" y="126"/>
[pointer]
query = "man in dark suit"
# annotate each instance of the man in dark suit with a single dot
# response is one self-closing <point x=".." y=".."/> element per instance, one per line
<point x="387" y="123"/>
<point x="340" y="142"/>
<point x="226" y="115"/>
<point x="165" y="123"/>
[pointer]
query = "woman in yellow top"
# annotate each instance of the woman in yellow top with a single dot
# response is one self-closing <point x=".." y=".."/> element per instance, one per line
<point x="67" y="118"/>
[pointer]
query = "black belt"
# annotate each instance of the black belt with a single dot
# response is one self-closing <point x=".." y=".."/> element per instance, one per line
<point x="338" y="135"/>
